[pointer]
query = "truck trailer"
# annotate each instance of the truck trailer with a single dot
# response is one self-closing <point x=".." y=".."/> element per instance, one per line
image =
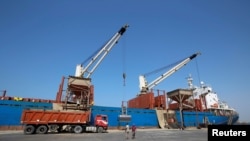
<point x="44" y="121"/>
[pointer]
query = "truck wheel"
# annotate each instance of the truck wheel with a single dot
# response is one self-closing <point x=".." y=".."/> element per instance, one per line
<point x="53" y="128"/>
<point x="42" y="129"/>
<point x="99" y="130"/>
<point x="29" y="129"/>
<point x="78" y="129"/>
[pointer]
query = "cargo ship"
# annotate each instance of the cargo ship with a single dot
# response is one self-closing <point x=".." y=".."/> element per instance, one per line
<point x="149" y="109"/>
<point x="174" y="113"/>
<point x="191" y="107"/>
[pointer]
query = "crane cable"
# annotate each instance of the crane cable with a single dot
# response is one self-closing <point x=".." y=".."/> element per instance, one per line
<point x="124" y="64"/>
<point x="124" y="68"/>
<point x="197" y="69"/>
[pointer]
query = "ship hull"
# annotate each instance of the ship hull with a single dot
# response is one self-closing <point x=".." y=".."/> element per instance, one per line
<point x="11" y="111"/>
<point x="145" y="118"/>
<point x="202" y="119"/>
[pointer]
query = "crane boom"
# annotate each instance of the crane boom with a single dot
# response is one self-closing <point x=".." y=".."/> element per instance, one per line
<point x="144" y="86"/>
<point x="99" y="56"/>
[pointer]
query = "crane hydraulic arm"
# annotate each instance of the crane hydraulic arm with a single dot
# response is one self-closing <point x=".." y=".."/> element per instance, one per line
<point x="144" y="86"/>
<point x="97" y="58"/>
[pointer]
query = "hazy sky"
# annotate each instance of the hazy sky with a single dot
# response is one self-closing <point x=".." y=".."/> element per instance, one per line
<point x="43" y="40"/>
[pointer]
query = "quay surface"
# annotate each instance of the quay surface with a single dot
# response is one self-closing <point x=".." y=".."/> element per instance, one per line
<point x="191" y="134"/>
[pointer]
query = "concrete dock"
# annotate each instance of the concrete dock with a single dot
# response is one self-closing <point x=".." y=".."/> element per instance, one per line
<point x="191" y="134"/>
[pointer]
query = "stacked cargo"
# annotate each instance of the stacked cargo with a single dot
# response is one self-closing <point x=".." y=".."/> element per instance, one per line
<point x="148" y="101"/>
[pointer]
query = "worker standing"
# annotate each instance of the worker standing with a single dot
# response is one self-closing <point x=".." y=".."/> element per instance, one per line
<point x="133" y="131"/>
<point x="127" y="131"/>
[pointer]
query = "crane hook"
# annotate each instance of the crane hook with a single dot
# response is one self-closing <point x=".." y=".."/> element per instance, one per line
<point x="124" y="78"/>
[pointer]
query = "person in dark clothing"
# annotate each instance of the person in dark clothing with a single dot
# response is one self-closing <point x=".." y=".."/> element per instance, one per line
<point x="133" y="128"/>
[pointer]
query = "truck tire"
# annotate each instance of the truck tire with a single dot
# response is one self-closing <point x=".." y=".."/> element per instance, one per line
<point x="42" y="129"/>
<point x="78" y="129"/>
<point x="53" y="128"/>
<point x="99" y="130"/>
<point x="29" y="129"/>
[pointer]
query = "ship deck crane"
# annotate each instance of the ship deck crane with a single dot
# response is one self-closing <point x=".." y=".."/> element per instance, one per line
<point x="79" y="87"/>
<point x="145" y="86"/>
<point x="98" y="56"/>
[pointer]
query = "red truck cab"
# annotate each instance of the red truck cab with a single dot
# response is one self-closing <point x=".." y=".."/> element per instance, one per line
<point x="101" y="121"/>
